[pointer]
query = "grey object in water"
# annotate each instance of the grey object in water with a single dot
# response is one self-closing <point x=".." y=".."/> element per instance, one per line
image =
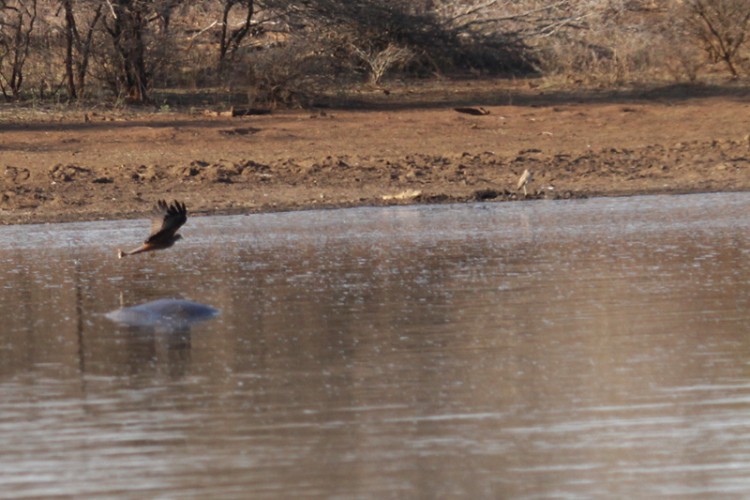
<point x="166" y="314"/>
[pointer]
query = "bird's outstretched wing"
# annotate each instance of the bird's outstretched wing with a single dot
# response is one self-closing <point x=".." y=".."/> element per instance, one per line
<point x="167" y="220"/>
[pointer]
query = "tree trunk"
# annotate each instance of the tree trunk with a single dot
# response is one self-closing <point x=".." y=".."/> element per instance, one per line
<point x="230" y="40"/>
<point x="16" y="47"/>
<point x="126" y="31"/>
<point x="84" y="48"/>
<point x="70" y="36"/>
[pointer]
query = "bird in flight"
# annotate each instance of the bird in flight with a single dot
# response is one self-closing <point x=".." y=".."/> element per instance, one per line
<point x="164" y="225"/>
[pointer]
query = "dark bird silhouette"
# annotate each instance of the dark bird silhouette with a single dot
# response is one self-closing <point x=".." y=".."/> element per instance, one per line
<point x="167" y="220"/>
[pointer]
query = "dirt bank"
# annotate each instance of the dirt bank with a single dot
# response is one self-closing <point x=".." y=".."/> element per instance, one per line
<point x="398" y="148"/>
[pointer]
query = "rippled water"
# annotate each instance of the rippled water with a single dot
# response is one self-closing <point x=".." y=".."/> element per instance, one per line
<point x="538" y="349"/>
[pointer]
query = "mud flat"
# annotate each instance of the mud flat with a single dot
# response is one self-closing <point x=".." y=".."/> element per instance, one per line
<point x="92" y="165"/>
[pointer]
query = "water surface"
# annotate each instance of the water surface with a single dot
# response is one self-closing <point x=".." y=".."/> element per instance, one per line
<point x="540" y="349"/>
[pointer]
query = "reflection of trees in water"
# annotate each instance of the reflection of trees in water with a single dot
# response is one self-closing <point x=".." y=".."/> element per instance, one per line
<point x="40" y="308"/>
<point x="149" y="352"/>
<point x="158" y="332"/>
<point x="52" y="313"/>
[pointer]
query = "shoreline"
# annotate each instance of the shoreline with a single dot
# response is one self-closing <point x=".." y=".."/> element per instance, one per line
<point x="73" y="217"/>
<point x="113" y="165"/>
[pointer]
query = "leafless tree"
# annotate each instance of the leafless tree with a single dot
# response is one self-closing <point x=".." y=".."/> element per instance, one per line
<point x="17" y="20"/>
<point x="231" y="39"/>
<point x="285" y="47"/>
<point x="722" y="28"/>
<point x="126" y="26"/>
<point x="380" y="61"/>
<point x="164" y="10"/>
<point x="78" y="44"/>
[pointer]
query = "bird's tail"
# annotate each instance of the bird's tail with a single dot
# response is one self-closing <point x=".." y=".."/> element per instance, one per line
<point x="143" y="248"/>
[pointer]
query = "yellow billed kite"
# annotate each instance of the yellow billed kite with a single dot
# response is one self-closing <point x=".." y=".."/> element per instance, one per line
<point x="167" y="220"/>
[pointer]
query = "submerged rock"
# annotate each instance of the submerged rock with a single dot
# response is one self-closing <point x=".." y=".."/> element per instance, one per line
<point x="166" y="314"/>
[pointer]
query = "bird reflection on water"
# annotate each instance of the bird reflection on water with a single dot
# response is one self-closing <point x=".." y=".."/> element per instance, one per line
<point x="168" y="315"/>
<point x="171" y="319"/>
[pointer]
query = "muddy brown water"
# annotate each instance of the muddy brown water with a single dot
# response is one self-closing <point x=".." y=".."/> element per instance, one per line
<point x="589" y="348"/>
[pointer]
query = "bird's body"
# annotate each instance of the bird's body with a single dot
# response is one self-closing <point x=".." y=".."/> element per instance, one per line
<point x="167" y="220"/>
<point x="524" y="180"/>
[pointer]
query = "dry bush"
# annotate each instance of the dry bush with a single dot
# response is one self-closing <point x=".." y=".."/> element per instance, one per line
<point x="596" y="42"/>
<point x="17" y="19"/>
<point x="613" y="42"/>
<point x="284" y="75"/>
<point x="682" y="58"/>
<point x="380" y="61"/>
<point x="720" y="27"/>
<point x="606" y="42"/>
<point x="606" y="58"/>
<point x="377" y="28"/>
<point x="282" y="52"/>
<point x="167" y="61"/>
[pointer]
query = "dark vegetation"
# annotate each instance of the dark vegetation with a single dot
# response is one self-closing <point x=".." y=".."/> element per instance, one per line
<point x="283" y="52"/>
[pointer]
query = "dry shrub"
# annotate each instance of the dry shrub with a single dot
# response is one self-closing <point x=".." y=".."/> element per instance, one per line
<point x="292" y="49"/>
<point x="682" y="60"/>
<point x="289" y="74"/>
<point x="380" y="61"/>
<point x="720" y="28"/>
<point x="619" y="43"/>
